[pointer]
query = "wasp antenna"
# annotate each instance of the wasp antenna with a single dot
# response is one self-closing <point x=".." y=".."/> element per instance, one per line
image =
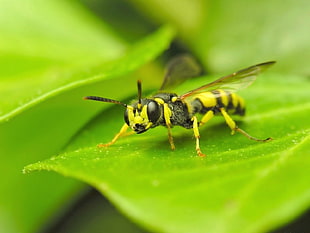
<point x="106" y="100"/>
<point x="139" y="91"/>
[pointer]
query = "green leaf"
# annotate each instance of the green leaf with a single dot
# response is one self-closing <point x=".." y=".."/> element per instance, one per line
<point x="235" y="33"/>
<point x="40" y="43"/>
<point x="241" y="186"/>
<point x="61" y="80"/>
<point x="40" y="55"/>
<point x="57" y="31"/>
<point x="51" y="55"/>
<point x="226" y="34"/>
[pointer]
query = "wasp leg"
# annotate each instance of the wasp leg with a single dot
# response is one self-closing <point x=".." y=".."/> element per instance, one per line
<point x="122" y="132"/>
<point x="167" y="115"/>
<point x="170" y="138"/>
<point x="230" y="122"/>
<point x="206" y="117"/>
<point x="197" y="135"/>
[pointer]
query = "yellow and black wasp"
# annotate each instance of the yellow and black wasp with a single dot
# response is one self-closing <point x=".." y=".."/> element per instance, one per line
<point x="169" y="109"/>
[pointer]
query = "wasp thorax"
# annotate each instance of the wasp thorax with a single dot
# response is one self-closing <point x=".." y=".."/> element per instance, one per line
<point x="141" y="116"/>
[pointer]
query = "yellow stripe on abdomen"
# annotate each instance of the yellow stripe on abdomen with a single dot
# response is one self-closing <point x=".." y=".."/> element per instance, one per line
<point x="216" y="99"/>
<point x="234" y="100"/>
<point x="223" y="96"/>
<point x="207" y="99"/>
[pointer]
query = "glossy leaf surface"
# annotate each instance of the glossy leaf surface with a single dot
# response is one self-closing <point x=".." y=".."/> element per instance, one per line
<point x="47" y="66"/>
<point x="241" y="186"/>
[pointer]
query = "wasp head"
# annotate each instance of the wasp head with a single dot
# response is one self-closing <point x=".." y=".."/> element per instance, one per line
<point x="142" y="115"/>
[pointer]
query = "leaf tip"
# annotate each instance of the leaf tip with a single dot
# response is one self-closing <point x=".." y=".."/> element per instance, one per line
<point x="32" y="167"/>
<point x="26" y="170"/>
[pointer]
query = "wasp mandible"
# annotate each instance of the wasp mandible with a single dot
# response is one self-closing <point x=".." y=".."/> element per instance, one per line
<point x="169" y="109"/>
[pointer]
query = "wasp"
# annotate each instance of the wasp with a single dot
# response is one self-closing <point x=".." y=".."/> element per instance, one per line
<point x="169" y="109"/>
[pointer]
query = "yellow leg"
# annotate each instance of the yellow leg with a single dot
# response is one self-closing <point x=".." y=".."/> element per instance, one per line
<point x="197" y="136"/>
<point x="167" y="115"/>
<point x="230" y="122"/>
<point x="232" y="125"/>
<point x="170" y="138"/>
<point x="206" y="117"/>
<point x="122" y="132"/>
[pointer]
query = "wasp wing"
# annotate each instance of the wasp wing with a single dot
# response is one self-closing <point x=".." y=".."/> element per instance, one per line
<point x="233" y="82"/>
<point x="178" y="70"/>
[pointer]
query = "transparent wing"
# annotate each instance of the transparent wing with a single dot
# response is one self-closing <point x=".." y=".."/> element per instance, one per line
<point x="178" y="70"/>
<point x="233" y="82"/>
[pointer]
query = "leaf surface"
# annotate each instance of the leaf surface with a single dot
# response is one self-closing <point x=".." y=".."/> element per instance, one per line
<point x="241" y="186"/>
<point x="51" y="55"/>
<point x="226" y="34"/>
<point x="54" y="83"/>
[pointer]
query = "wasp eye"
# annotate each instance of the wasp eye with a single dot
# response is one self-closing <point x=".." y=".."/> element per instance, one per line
<point x="153" y="111"/>
<point x="126" y="117"/>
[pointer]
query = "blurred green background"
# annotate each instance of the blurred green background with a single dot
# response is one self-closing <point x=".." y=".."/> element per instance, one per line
<point x="47" y="47"/>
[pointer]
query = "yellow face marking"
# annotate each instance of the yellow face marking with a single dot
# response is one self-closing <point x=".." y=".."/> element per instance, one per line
<point x="131" y="116"/>
<point x="144" y="112"/>
<point x="138" y="117"/>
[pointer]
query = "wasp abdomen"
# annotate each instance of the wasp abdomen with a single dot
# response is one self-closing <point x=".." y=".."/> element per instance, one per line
<point x="214" y="100"/>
